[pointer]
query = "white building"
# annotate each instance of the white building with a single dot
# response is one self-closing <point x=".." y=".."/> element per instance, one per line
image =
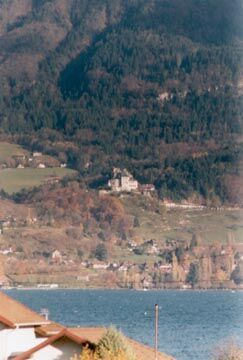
<point x="61" y="346"/>
<point x="16" y="341"/>
<point x="41" y="166"/>
<point x="56" y="256"/>
<point x="100" y="265"/>
<point x="25" y="334"/>
<point x="17" y="328"/>
<point x="6" y="251"/>
<point x="123" y="181"/>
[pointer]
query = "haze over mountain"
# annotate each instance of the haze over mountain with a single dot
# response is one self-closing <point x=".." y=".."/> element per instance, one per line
<point x="154" y="86"/>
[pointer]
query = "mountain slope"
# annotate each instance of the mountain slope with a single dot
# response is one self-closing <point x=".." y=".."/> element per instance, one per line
<point x="149" y="85"/>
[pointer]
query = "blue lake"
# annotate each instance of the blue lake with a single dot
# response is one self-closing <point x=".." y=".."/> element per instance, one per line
<point x="191" y="323"/>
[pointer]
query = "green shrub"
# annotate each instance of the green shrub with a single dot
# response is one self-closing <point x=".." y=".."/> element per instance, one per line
<point x="113" y="345"/>
<point x="101" y="252"/>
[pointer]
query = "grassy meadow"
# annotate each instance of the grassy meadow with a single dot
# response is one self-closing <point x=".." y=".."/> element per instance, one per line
<point x="160" y="223"/>
<point x="14" y="180"/>
<point x="8" y="150"/>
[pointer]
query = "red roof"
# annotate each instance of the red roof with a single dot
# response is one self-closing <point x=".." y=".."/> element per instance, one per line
<point x="13" y="313"/>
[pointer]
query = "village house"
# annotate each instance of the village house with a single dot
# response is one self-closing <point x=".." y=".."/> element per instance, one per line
<point x="85" y="264"/>
<point x="84" y="278"/>
<point x="41" y="166"/>
<point x="132" y="244"/>
<point x="165" y="268"/>
<point x="56" y="256"/>
<point x="19" y="157"/>
<point x="6" y="251"/>
<point x="37" y="154"/>
<point x="164" y="96"/>
<point x="152" y="247"/>
<point x="123" y="267"/>
<point x="100" y="265"/>
<point x="153" y="250"/>
<point x="146" y="189"/>
<point x="113" y="266"/>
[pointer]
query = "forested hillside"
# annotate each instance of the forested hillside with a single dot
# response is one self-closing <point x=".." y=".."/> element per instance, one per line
<point x="151" y="85"/>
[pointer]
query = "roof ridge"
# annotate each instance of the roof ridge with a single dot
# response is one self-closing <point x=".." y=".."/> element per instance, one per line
<point x="7" y="322"/>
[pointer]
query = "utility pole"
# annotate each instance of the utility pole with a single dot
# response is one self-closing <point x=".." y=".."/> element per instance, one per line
<point x="156" y="331"/>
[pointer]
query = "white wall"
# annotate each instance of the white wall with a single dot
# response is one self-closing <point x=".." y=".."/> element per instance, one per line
<point x="17" y="340"/>
<point x="61" y="350"/>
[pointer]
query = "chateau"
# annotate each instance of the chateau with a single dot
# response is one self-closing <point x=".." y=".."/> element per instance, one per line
<point x="123" y="181"/>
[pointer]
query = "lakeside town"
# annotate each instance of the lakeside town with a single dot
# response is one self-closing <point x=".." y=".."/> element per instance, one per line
<point x="142" y="263"/>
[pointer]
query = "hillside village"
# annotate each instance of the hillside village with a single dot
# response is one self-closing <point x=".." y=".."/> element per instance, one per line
<point x="33" y="160"/>
<point x="175" y="264"/>
<point x="119" y="236"/>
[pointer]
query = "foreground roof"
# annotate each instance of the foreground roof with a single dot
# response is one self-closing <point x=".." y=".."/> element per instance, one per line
<point x="49" y="329"/>
<point x="91" y="334"/>
<point x="14" y="314"/>
<point x="84" y="336"/>
<point x="141" y="351"/>
<point x="65" y="333"/>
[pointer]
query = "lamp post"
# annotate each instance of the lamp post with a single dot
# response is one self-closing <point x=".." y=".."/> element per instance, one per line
<point x="156" y="331"/>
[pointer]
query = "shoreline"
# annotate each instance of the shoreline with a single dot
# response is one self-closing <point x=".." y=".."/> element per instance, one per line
<point x="118" y="289"/>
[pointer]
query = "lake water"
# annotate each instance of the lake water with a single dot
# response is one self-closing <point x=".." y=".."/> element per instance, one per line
<point x="191" y="323"/>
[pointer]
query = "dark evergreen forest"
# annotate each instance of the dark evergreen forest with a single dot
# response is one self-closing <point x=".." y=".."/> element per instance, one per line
<point x="151" y="85"/>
